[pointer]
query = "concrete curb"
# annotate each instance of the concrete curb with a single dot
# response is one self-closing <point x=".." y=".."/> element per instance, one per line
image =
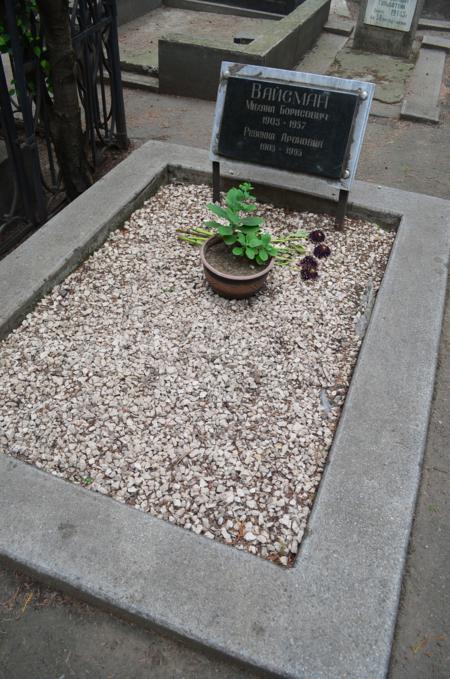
<point x="423" y="93"/>
<point x="333" y="614"/>
<point x="281" y="46"/>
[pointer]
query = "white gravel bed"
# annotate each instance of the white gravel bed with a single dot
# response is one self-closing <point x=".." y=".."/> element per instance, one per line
<point x="133" y="378"/>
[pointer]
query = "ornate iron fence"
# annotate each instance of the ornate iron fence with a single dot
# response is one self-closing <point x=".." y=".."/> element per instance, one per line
<point x="30" y="185"/>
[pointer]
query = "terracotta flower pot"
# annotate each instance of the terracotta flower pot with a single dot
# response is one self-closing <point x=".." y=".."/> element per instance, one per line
<point x="230" y="285"/>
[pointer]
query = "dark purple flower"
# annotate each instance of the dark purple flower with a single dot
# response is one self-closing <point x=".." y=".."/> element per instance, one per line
<point x="317" y="236"/>
<point x="309" y="262"/>
<point x="309" y="273"/>
<point x="322" y="250"/>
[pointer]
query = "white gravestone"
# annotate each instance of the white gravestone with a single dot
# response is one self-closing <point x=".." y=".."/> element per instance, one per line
<point x="394" y="14"/>
<point x="387" y="26"/>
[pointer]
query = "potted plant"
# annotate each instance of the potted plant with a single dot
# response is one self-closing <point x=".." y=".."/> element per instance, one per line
<point x="238" y="257"/>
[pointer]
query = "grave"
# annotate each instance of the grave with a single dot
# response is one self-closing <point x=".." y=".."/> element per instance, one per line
<point x="346" y="582"/>
<point x="387" y="26"/>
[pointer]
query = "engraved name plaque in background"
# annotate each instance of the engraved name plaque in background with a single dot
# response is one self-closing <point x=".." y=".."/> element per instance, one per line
<point x="394" y="14"/>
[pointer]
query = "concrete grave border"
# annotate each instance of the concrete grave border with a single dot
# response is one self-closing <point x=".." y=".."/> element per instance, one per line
<point x="190" y="67"/>
<point x="334" y="613"/>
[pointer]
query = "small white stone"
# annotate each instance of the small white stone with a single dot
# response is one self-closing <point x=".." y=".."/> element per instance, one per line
<point x="286" y="521"/>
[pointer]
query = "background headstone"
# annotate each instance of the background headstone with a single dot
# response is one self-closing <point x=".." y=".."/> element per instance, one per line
<point x="387" y="26"/>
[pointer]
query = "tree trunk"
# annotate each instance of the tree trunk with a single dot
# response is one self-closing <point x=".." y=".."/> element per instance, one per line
<point x="65" y="116"/>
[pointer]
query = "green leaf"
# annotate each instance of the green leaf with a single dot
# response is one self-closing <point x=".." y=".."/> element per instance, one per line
<point x="263" y="256"/>
<point x="249" y="230"/>
<point x="37" y="50"/>
<point x="213" y="225"/>
<point x="246" y="187"/>
<point x="254" y="242"/>
<point x="229" y="240"/>
<point x="252" y="221"/>
<point x="233" y="217"/>
<point x="238" y="251"/>
<point x="242" y="238"/>
<point x="250" y="253"/>
<point x="219" y="211"/>
<point x="265" y="237"/>
<point x="225" y="230"/>
<point x="233" y="198"/>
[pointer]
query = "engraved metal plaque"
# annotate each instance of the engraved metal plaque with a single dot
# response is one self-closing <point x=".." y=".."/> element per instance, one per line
<point x="299" y="122"/>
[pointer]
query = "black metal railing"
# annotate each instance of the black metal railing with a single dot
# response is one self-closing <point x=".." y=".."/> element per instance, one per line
<point x="31" y="189"/>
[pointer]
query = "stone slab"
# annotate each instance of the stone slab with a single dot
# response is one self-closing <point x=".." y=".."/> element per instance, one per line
<point x="388" y="73"/>
<point x="421" y="646"/>
<point x="382" y="110"/>
<point x="323" y="54"/>
<point x="334" y="613"/>
<point x="434" y="24"/>
<point x="140" y="81"/>
<point x="422" y="95"/>
<point x="436" y="42"/>
<point x="340" y="8"/>
<point x="339" y="25"/>
<point x="127" y="10"/>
